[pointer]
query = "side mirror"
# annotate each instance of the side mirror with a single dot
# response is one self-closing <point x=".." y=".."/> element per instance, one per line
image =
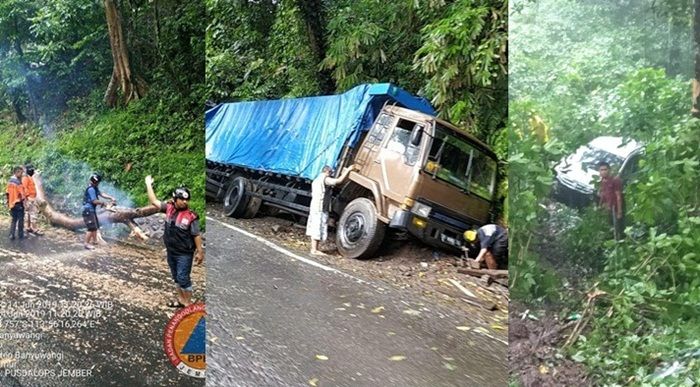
<point x="416" y="135"/>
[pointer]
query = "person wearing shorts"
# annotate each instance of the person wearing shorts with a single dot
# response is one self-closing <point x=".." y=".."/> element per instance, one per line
<point x="91" y="200"/>
<point x="182" y="240"/>
<point x="30" y="203"/>
<point x="317" y="222"/>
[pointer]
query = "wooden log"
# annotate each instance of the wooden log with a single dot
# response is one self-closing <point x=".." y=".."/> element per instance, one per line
<point x="58" y="219"/>
<point x="480" y="272"/>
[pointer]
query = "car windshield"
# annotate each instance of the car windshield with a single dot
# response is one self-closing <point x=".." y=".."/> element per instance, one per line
<point x="455" y="160"/>
<point x="591" y="157"/>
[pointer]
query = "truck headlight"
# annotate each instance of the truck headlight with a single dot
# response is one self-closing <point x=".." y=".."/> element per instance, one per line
<point x="421" y="210"/>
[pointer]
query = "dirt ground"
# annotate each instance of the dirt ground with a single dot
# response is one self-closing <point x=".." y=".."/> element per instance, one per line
<point x="403" y="262"/>
<point x="534" y="355"/>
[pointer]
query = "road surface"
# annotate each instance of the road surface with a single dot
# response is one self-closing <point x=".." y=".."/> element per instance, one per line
<point x="275" y="318"/>
<point x="117" y="340"/>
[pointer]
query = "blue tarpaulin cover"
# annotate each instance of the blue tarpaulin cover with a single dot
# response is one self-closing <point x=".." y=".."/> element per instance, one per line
<point x="298" y="136"/>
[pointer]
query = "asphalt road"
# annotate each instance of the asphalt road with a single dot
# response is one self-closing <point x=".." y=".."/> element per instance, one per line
<point x="275" y="320"/>
<point x="121" y="291"/>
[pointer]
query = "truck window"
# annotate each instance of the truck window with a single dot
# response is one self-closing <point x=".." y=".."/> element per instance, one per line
<point x="454" y="160"/>
<point x="399" y="141"/>
<point x="381" y="125"/>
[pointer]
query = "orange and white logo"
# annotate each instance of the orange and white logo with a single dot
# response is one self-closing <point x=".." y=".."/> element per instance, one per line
<point x="184" y="340"/>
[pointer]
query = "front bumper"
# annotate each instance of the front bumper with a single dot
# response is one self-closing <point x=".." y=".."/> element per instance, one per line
<point x="430" y="231"/>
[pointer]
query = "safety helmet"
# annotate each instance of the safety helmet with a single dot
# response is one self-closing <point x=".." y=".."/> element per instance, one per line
<point x="470" y="236"/>
<point x="30" y="169"/>
<point x="181" y="193"/>
<point x="95" y="178"/>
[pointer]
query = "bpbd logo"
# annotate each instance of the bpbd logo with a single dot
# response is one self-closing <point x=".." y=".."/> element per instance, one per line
<point x="184" y="342"/>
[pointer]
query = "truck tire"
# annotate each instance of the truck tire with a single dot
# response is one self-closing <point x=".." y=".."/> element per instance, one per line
<point x="252" y="208"/>
<point x="236" y="198"/>
<point x="359" y="231"/>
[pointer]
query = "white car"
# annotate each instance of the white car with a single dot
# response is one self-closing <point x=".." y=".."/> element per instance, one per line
<point x="576" y="173"/>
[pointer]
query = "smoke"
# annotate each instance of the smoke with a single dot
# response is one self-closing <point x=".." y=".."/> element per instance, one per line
<point x="65" y="182"/>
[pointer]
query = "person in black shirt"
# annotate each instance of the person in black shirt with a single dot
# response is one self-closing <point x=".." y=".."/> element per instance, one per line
<point x="182" y="240"/>
<point x="493" y="242"/>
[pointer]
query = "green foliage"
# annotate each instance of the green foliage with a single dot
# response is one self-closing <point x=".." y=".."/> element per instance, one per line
<point x="55" y="64"/>
<point x="464" y="54"/>
<point x="530" y="178"/>
<point x="149" y="137"/>
<point x="602" y="68"/>
<point x="52" y="52"/>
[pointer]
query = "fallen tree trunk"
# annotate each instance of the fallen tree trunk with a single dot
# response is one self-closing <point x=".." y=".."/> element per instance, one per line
<point x="58" y="219"/>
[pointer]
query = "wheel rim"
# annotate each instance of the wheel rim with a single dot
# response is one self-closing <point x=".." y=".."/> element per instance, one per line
<point x="354" y="227"/>
<point x="234" y="194"/>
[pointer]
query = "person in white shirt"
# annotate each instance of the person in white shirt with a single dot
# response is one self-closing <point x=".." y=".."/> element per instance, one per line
<point x="317" y="223"/>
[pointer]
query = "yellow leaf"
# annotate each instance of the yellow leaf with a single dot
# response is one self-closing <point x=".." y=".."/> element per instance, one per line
<point x="544" y="369"/>
<point x="463" y="328"/>
<point x="321" y="357"/>
<point x="313" y="382"/>
<point x="397" y="358"/>
<point x="378" y="309"/>
<point x="497" y="326"/>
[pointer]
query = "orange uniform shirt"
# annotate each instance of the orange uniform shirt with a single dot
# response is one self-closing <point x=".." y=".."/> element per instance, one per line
<point x="29" y="187"/>
<point x="15" y="192"/>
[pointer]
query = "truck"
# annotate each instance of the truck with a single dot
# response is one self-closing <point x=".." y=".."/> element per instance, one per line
<point x="414" y="172"/>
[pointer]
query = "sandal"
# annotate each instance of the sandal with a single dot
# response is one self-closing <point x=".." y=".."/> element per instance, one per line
<point x="175" y="304"/>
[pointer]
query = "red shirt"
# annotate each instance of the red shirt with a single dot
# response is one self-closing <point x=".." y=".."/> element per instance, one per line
<point x="608" y="191"/>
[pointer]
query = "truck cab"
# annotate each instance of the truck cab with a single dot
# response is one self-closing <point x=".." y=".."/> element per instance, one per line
<point x="416" y="173"/>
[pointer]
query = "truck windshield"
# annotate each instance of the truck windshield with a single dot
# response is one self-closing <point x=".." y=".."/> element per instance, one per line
<point x="454" y="160"/>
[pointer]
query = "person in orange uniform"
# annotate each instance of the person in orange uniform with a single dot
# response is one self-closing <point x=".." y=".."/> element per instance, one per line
<point x="15" y="202"/>
<point x="30" y="207"/>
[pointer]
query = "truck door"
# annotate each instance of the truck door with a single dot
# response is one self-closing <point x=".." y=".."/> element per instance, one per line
<point x="396" y="160"/>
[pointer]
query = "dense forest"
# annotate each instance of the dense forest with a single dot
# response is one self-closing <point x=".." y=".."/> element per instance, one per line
<point x="113" y="86"/>
<point x="579" y="70"/>
<point x="451" y="52"/>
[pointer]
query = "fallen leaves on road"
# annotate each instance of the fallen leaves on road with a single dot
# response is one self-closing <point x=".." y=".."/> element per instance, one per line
<point x="411" y="312"/>
<point x="397" y="358"/>
<point x="378" y="309"/>
<point x="321" y="357"/>
<point x="463" y="328"/>
<point x="498" y="327"/>
<point x="313" y="382"/>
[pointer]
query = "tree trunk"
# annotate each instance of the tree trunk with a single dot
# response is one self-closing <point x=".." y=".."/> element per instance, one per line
<point x="123" y="76"/>
<point x="695" y="110"/>
<point x="124" y="216"/>
<point x="17" y="107"/>
<point x="313" y="15"/>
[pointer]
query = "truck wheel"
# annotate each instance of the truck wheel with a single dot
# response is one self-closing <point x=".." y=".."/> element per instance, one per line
<point x="252" y="208"/>
<point x="236" y="198"/>
<point x="359" y="231"/>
